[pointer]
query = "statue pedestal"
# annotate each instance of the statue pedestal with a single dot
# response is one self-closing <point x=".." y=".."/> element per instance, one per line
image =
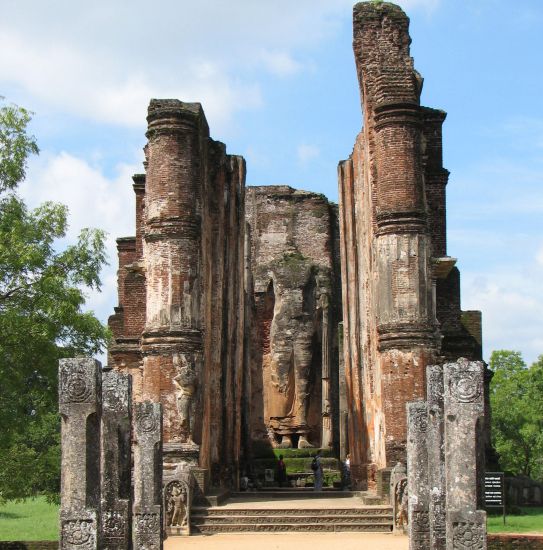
<point x="176" y="453"/>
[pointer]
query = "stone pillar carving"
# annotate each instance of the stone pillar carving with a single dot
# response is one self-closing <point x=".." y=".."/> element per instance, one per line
<point x="463" y="413"/>
<point x="436" y="456"/>
<point x="327" y="435"/>
<point x="80" y="409"/>
<point x="398" y="495"/>
<point x="185" y="383"/>
<point x="115" y="459"/>
<point x="417" y="474"/>
<point x="342" y="389"/>
<point x="178" y="495"/>
<point x="147" y="519"/>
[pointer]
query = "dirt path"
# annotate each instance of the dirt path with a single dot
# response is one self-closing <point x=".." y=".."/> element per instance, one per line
<point x="289" y="541"/>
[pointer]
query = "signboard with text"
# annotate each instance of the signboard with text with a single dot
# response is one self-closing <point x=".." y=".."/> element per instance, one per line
<point x="494" y="491"/>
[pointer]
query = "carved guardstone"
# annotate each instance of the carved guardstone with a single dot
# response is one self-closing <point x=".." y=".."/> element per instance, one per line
<point x="80" y="409"/>
<point x="116" y="459"/>
<point x="417" y="474"/>
<point x="436" y="456"/>
<point x="177" y="503"/>
<point x="399" y="498"/>
<point x="147" y="519"/>
<point x="464" y="411"/>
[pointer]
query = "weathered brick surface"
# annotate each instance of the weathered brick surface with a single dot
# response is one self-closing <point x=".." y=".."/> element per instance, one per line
<point x="392" y="218"/>
<point x="180" y="279"/>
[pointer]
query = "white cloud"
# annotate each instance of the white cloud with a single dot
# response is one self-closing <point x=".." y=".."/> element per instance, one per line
<point x="103" y="60"/>
<point x="511" y="302"/>
<point x="539" y="256"/>
<point x="307" y="153"/>
<point x="280" y="63"/>
<point x="94" y="200"/>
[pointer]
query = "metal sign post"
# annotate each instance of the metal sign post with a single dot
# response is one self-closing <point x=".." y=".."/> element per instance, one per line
<point x="494" y="491"/>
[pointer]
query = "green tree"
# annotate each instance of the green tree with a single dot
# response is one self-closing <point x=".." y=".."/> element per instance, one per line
<point x="516" y="399"/>
<point x="41" y="317"/>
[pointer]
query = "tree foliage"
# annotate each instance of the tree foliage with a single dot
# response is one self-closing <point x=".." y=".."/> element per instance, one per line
<point x="15" y="145"/>
<point x="516" y="398"/>
<point x="41" y="317"/>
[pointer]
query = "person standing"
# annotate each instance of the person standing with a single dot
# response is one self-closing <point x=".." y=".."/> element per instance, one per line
<point x="281" y="471"/>
<point x="347" y="472"/>
<point x="316" y="466"/>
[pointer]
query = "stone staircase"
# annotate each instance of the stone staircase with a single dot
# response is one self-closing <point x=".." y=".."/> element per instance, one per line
<point x="302" y="512"/>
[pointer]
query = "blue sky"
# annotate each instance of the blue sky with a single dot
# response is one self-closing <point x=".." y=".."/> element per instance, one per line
<point x="278" y="84"/>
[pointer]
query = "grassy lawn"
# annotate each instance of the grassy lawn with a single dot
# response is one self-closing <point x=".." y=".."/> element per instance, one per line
<point x="36" y="520"/>
<point x="31" y="519"/>
<point x="531" y="521"/>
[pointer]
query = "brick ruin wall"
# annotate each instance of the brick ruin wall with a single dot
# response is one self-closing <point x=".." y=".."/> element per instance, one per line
<point x="232" y="285"/>
<point x="181" y="282"/>
<point x="401" y="292"/>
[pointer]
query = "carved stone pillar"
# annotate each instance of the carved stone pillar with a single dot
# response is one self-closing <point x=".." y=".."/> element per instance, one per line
<point x="327" y="434"/>
<point x="464" y="410"/>
<point x="147" y="519"/>
<point x="343" y="408"/>
<point x="80" y="408"/>
<point x="417" y="475"/>
<point x="115" y="459"/>
<point x="436" y="456"/>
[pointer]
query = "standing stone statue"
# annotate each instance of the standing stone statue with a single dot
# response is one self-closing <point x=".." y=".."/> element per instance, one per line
<point x="177" y="498"/>
<point x="398" y="497"/>
<point x="185" y="384"/>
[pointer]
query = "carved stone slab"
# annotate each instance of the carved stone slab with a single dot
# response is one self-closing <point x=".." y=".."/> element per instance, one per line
<point x="463" y="414"/>
<point x="177" y="504"/>
<point x="398" y="498"/>
<point x="417" y="475"/>
<point x="464" y="409"/>
<point x="116" y="459"/>
<point x="466" y="531"/>
<point x="147" y="518"/>
<point x="80" y="408"/>
<point x="436" y="456"/>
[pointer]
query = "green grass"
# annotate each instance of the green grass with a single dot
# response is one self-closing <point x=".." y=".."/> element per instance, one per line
<point x="32" y="519"/>
<point x="531" y="521"/>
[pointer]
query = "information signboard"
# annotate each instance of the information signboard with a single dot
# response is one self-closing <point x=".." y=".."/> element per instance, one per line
<point x="494" y="491"/>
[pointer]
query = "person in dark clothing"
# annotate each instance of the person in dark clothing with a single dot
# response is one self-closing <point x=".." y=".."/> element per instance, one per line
<point x="281" y="471"/>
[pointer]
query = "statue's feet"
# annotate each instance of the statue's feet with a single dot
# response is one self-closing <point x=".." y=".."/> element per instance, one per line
<point x="286" y="442"/>
<point x="303" y="443"/>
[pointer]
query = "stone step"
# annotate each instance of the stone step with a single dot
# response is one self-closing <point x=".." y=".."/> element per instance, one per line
<point x="377" y="511"/>
<point x="294" y="492"/>
<point x="290" y="527"/>
<point x="292" y="519"/>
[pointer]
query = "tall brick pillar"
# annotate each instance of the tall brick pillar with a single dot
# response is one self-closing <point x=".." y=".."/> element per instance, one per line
<point x="390" y="326"/>
<point x="406" y="326"/>
<point x="172" y="338"/>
